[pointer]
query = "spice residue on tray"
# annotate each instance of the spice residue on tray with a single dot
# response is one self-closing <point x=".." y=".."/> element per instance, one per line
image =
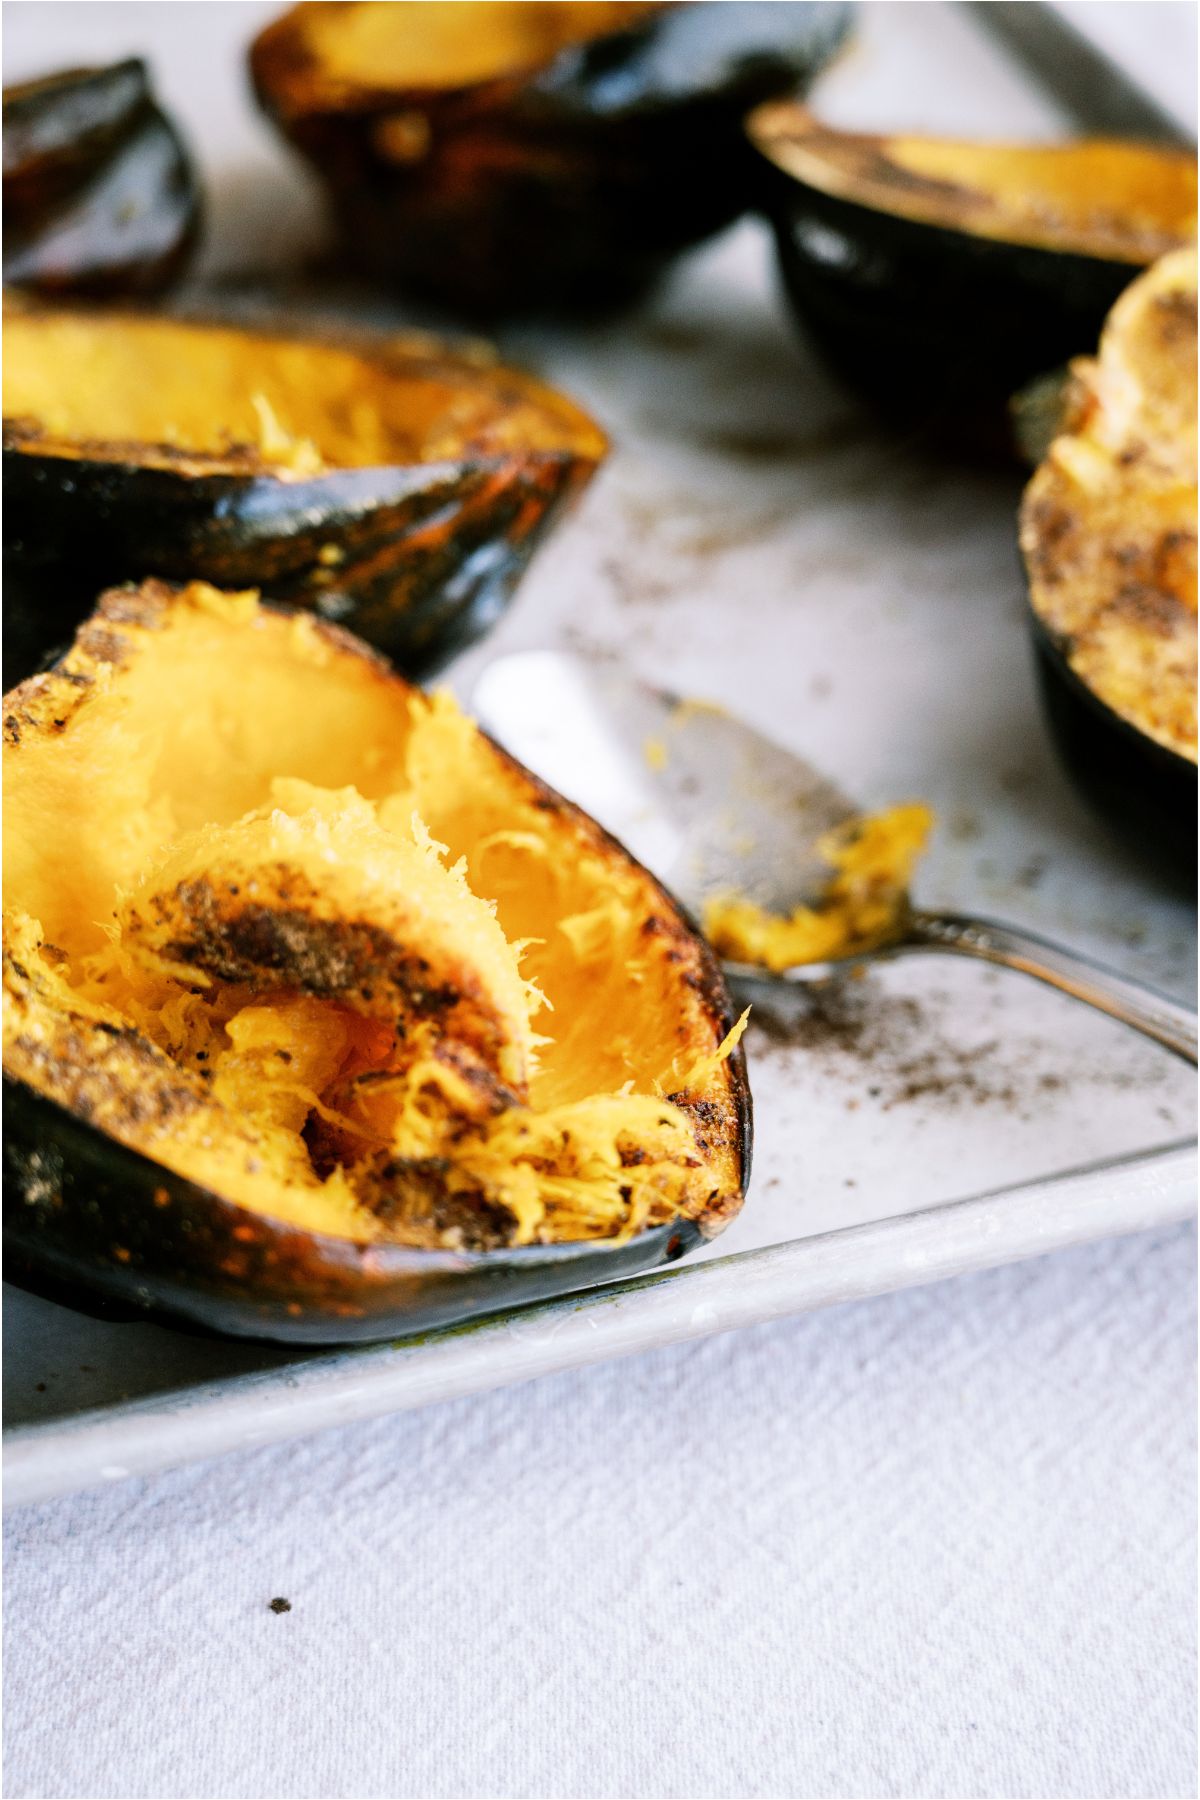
<point x="892" y="1050"/>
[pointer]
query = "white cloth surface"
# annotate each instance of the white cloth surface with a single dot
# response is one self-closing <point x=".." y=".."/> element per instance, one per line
<point x="939" y="1544"/>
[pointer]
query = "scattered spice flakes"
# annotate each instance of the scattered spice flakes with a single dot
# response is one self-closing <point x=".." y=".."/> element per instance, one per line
<point x="892" y="1049"/>
<point x="769" y="445"/>
<point x="1018" y="781"/>
<point x="1030" y="873"/>
<point x="963" y="825"/>
<point x="591" y="648"/>
<point x="280" y="1605"/>
<point x="851" y="1016"/>
<point x="632" y="586"/>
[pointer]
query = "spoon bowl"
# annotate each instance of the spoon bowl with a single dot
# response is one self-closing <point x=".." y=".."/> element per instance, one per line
<point x="712" y="806"/>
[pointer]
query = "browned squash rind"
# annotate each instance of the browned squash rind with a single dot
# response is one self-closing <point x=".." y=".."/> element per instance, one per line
<point x="534" y="155"/>
<point x="1108" y="522"/>
<point x="394" y="484"/>
<point x="100" y="1104"/>
<point x="939" y="278"/>
<point x="1102" y="197"/>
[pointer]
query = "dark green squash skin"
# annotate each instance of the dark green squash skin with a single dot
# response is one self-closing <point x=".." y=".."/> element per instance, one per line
<point x="934" y="327"/>
<point x="569" y="189"/>
<point x="1145" y="793"/>
<point x="86" y="1217"/>
<point x="92" y="1223"/>
<point x="100" y="196"/>
<point x="431" y="552"/>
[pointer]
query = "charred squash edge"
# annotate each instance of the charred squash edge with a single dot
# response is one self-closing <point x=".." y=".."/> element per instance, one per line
<point x="292" y="84"/>
<point x="1143" y="787"/>
<point x="932" y="323"/>
<point x="406" y="529"/>
<point x="284" y="1284"/>
<point x="774" y="125"/>
<point x="291" y="81"/>
<point x="579" y="198"/>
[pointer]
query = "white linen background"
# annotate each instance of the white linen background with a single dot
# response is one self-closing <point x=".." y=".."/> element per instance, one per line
<point x="939" y="1544"/>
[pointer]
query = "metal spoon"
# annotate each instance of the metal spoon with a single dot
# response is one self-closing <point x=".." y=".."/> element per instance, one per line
<point x="710" y="805"/>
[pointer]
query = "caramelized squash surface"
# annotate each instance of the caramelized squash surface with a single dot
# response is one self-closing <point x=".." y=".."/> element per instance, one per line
<point x="1104" y="197"/>
<point x="1108" y="523"/>
<point x="146" y="387"/>
<point x="421" y="46"/>
<point x="304" y="936"/>
<point x="394" y="484"/>
<point x="531" y="156"/>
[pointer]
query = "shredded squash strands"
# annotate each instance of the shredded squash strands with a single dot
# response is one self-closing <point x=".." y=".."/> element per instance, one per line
<point x="323" y="1007"/>
<point x="279" y="446"/>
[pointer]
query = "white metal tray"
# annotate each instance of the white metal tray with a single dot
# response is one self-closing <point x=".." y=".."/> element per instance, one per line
<point x="757" y="540"/>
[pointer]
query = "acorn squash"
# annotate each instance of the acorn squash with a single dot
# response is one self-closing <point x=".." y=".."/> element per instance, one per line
<point x="324" y="1018"/>
<point x="392" y="484"/>
<point x="939" y="277"/>
<point x="100" y="196"/>
<point x="507" y="156"/>
<point x="1108" y="533"/>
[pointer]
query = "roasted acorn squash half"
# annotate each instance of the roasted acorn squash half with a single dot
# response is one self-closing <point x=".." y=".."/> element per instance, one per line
<point x="1108" y="532"/>
<point x="393" y="484"/>
<point x="326" y="1020"/>
<point x="100" y="196"/>
<point x="532" y="155"/>
<point x="939" y="277"/>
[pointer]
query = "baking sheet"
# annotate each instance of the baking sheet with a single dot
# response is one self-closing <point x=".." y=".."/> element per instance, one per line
<point x="757" y="540"/>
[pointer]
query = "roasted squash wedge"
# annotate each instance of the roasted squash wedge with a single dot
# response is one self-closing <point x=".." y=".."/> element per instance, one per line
<point x="939" y="277"/>
<point x="391" y="484"/>
<point x="100" y="196"/>
<point x="508" y="156"/>
<point x="1108" y="532"/>
<point x="324" y="1018"/>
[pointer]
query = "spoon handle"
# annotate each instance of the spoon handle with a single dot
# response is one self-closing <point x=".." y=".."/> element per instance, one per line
<point x="1156" y="1015"/>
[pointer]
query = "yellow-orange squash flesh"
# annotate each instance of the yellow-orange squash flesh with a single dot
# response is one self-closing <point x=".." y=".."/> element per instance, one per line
<point x="864" y="905"/>
<point x="402" y="45"/>
<point x="1102" y="197"/>
<point x="302" y="935"/>
<point x="1108" y="522"/>
<point x="146" y="390"/>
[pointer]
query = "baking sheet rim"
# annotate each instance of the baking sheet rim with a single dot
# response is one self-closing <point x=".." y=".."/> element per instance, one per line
<point x="96" y="1447"/>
